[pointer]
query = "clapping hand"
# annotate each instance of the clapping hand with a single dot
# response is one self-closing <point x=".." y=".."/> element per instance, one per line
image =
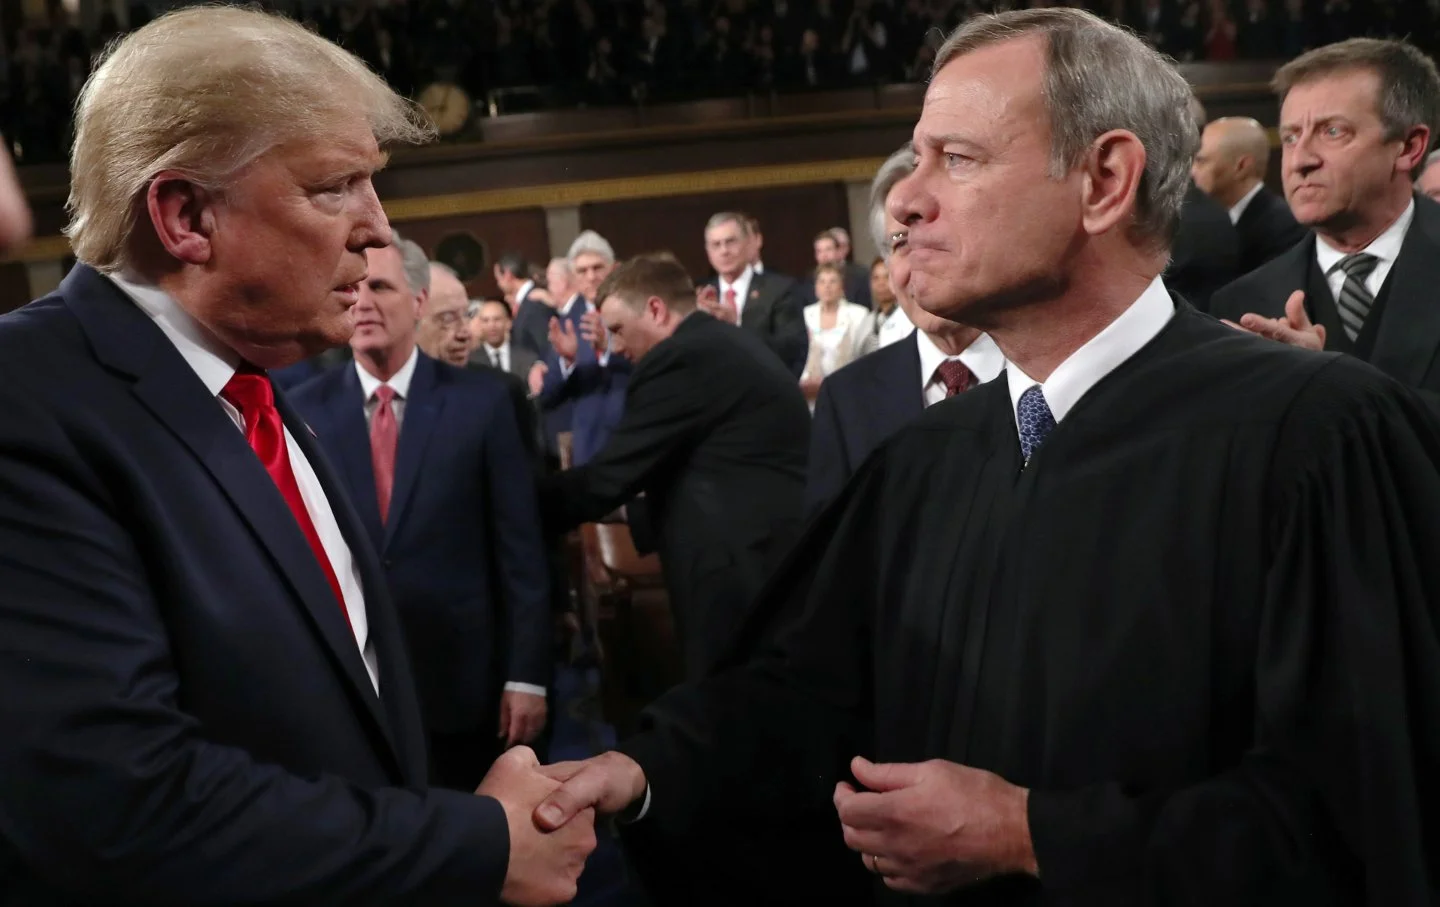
<point x="563" y="339"/>
<point x="536" y="378"/>
<point x="544" y="867"/>
<point x="1294" y="329"/>
<point x="592" y="329"/>
<point x="932" y="827"/>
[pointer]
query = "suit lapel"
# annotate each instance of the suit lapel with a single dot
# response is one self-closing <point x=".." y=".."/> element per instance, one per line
<point x="898" y="388"/>
<point x="422" y="409"/>
<point x="1409" y="329"/>
<point x="348" y="441"/>
<point x="758" y="304"/>
<point x="385" y="634"/>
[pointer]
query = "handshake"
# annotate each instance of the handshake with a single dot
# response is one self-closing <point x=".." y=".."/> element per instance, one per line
<point x="550" y="810"/>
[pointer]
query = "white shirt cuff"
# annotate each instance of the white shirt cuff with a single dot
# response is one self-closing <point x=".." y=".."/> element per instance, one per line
<point x="604" y="358"/>
<point x="644" y="807"/>
<point x="566" y="367"/>
<point x="515" y="686"/>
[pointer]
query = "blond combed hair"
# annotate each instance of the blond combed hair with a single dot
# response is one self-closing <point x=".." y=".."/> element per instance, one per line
<point x="204" y="92"/>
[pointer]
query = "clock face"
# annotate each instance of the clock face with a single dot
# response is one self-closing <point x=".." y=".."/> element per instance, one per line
<point x="447" y="105"/>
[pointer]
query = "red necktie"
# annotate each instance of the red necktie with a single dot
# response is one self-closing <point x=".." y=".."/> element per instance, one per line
<point x="955" y="376"/>
<point x="251" y="393"/>
<point x="730" y="304"/>
<point x="384" y="436"/>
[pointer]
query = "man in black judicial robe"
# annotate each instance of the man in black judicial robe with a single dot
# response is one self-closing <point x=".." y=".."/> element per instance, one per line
<point x="1186" y="654"/>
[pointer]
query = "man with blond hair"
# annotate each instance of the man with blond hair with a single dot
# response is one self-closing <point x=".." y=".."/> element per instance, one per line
<point x="1150" y="620"/>
<point x="207" y="699"/>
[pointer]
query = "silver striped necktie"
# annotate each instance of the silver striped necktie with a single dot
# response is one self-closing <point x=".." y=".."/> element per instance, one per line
<point x="1355" y="299"/>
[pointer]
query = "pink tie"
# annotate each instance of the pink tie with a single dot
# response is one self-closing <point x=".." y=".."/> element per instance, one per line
<point x="730" y="304"/>
<point x="384" y="437"/>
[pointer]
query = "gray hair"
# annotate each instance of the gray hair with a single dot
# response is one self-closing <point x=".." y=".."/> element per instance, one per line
<point x="562" y="262"/>
<point x="1097" y="78"/>
<point x="1409" y="82"/>
<point x="896" y="167"/>
<point x="593" y="243"/>
<point x="416" y="262"/>
<point x="728" y="217"/>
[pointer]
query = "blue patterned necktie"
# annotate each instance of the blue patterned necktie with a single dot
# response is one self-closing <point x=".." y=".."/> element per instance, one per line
<point x="1035" y="421"/>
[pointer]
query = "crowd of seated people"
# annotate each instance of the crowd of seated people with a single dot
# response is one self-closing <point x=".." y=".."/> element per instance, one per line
<point x="601" y="52"/>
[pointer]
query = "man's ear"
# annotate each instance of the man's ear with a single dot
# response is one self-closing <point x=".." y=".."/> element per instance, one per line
<point x="1416" y="143"/>
<point x="183" y="216"/>
<point x="1112" y="181"/>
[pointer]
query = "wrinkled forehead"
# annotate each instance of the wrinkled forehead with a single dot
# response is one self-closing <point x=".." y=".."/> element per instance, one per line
<point x="1351" y="93"/>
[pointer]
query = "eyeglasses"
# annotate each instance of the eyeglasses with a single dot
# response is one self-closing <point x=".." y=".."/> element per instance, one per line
<point x="448" y="321"/>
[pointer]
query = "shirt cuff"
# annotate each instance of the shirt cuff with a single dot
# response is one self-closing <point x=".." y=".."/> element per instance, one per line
<point x="515" y="686"/>
<point x="644" y="808"/>
<point x="604" y="359"/>
<point x="566" y="367"/>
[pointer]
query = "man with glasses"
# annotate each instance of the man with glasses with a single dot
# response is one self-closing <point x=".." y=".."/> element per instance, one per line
<point x="473" y="598"/>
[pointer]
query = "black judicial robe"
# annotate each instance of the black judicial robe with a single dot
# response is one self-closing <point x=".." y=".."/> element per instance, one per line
<point x="1203" y="626"/>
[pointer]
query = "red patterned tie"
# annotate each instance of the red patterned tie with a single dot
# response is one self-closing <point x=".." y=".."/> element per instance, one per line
<point x="384" y="436"/>
<point x="955" y="376"/>
<point x="250" y="392"/>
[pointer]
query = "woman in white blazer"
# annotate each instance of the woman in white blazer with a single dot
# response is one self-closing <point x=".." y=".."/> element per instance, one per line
<point x="840" y="331"/>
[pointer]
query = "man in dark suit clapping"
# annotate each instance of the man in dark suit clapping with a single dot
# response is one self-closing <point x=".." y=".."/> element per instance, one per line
<point x="766" y="304"/>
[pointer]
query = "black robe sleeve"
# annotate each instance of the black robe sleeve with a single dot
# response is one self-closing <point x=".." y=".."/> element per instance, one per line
<point x="1339" y="794"/>
<point x="777" y="731"/>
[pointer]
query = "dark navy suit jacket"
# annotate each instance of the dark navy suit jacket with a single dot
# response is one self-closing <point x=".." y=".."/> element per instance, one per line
<point x="859" y="408"/>
<point x="186" y="718"/>
<point x="594" y="393"/>
<point x="462" y="548"/>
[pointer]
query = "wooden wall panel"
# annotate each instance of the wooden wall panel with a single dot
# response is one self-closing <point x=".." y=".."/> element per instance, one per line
<point x="14" y="286"/>
<point x="495" y="233"/>
<point x="789" y="217"/>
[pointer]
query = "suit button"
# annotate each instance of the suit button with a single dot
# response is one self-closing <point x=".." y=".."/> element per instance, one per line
<point x="389" y="563"/>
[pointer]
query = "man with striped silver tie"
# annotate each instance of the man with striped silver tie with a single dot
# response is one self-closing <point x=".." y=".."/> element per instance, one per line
<point x="1356" y="121"/>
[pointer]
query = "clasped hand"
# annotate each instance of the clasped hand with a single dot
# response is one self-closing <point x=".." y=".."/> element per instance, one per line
<point x="545" y="864"/>
<point x="935" y="826"/>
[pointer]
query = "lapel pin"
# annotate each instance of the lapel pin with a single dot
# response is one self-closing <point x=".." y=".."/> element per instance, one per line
<point x="754" y="294"/>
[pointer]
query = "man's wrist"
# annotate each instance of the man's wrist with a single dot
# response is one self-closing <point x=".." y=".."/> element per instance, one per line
<point x="1021" y="856"/>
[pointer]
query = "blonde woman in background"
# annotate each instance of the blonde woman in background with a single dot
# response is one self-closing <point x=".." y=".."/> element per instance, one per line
<point x="840" y="331"/>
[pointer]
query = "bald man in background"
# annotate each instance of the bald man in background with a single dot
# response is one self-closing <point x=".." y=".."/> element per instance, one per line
<point x="1230" y="167"/>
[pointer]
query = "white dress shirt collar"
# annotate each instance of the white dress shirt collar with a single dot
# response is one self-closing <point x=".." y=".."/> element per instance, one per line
<point x="399" y="382"/>
<point x="1101" y="355"/>
<point x="213" y="361"/>
<point x="524" y="291"/>
<point x="982" y="357"/>
<point x="569" y="304"/>
<point x="1239" y="207"/>
<point x="1385" y="247"/>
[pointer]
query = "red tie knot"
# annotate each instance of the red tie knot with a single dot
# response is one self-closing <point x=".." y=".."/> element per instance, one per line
<point x="955" y="376"/>
<point x="385" y="393"/>
<point x="249" y="391"/>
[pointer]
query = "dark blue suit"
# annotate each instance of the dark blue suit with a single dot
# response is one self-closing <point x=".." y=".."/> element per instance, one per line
<point x="186" y="718"/>
<point x="462" y="547"/>
<point x="859" y="408"/>
<point x="594" y="394"/>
